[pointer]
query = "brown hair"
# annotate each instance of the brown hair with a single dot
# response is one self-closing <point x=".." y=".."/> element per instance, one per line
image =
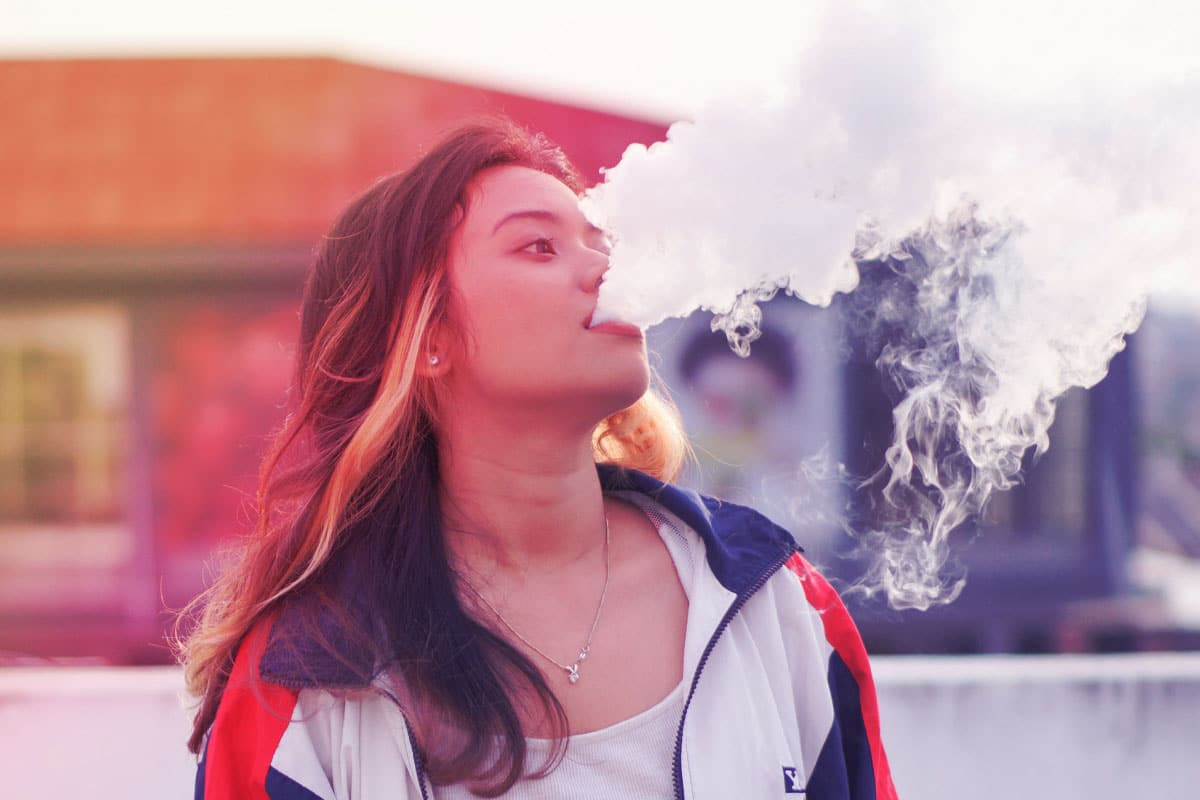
<point x="350" y="485"/>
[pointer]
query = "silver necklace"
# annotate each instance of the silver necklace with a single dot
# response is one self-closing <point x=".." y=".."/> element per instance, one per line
<point x="572" y="670"/>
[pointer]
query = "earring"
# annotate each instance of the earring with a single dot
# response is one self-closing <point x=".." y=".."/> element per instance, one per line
<point x="434" y="360"/>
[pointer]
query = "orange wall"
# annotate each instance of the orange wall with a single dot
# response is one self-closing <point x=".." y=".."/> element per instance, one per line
<point x="238" y="151"/>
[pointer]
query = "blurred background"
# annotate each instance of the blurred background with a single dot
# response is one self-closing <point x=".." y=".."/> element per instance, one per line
<point x="158" y="218"/>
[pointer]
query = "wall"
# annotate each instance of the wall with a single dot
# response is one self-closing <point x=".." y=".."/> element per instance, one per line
<point x="979" y="727"/>
<point x="1042" y="727"/>
<point x="158" y="219"/>
<point x="208" y="151"/>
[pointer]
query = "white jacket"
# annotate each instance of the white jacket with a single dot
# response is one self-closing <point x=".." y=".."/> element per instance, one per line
<point x="780" y="700"/>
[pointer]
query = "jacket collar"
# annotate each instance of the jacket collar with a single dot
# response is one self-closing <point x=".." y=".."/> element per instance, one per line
<point x="740" y="544"/>
<point x="741" y="547"/>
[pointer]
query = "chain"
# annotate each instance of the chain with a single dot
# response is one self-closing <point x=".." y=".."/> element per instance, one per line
<point x="572" y="670"/>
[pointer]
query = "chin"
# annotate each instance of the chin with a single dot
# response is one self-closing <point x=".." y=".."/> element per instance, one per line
<point x="624" y="393"/>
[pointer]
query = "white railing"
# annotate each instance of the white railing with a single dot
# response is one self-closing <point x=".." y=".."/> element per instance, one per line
<point x="968" y="728"/>
<point x="1032" y="727"/>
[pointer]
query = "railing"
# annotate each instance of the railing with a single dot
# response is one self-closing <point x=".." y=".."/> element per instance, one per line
<point x="968" y="728"/>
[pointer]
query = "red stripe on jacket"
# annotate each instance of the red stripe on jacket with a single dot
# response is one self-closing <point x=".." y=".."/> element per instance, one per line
<point x="842" y="634"/>
<point x="249" y="725"/>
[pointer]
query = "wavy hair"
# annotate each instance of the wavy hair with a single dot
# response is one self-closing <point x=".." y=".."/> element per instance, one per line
<point x="350" y="483"/>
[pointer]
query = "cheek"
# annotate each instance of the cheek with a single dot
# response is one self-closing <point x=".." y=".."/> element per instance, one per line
<point x="508" y="335"/>
<point x="485" y="295"/>
<point x="517" y="330"/>
<point x="501" y="323"/>
<point x="512" y="310"/>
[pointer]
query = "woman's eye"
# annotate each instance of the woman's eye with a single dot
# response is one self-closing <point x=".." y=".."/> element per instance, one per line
<point x="541" y="246"/>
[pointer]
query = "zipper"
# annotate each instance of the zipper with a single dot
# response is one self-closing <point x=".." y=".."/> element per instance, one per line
<point x="417" y="759"/>
<point x="734" y="608"/>
<point x="730" y="613"/>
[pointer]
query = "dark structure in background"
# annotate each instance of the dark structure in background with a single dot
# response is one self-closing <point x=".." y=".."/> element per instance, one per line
<point x="1049" y="564"/>
<point x="1046" y="564"/>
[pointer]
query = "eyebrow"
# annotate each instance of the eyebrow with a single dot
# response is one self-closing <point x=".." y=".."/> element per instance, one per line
<point x="540" y="213"/>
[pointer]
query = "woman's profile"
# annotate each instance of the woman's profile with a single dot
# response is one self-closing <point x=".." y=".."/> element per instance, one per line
<point x="470" y="574"/>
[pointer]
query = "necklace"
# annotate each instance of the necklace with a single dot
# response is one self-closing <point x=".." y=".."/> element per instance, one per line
<point x="572" y="670"/>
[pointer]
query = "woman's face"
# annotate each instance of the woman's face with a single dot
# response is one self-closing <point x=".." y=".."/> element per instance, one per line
<point x="525" y="268"/>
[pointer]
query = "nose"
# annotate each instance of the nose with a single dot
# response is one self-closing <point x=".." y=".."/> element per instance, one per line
<point x="594" y="274"/>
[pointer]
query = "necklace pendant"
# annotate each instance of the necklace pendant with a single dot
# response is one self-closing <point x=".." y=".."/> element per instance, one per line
<point x="573" y="673"/>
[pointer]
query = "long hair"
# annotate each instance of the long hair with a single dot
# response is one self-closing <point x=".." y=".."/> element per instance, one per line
<point x="349" y="487"/>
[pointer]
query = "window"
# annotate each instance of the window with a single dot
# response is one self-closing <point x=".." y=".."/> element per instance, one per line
<point x="64" y="400"/>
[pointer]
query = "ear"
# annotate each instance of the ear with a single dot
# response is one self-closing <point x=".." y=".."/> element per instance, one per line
<point x="437" y="354"/>
<point x="432" y="364"/>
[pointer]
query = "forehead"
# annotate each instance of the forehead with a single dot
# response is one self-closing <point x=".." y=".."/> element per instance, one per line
<point x="499" y="191"/>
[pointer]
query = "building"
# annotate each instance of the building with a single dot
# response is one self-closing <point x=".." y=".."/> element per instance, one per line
<point x="157" y="221"/>
<point x="158" y="218"/>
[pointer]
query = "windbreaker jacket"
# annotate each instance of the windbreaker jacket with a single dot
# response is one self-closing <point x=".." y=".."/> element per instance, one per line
<point x="780" y="701"/>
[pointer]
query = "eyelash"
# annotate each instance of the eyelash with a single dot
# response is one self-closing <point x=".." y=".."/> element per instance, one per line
<point x="606" y="248"/>
<point x="549" y="244"/>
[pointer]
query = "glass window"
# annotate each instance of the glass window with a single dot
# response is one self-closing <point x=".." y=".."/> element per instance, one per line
<point x="64" y="401"/>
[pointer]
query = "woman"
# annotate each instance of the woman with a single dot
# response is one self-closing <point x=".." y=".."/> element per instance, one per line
<point x="470" y="573"/>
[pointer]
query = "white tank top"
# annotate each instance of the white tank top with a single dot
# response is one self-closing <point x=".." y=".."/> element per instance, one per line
<point x="631" y="758"/>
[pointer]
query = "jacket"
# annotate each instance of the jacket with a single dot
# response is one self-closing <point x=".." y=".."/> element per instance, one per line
<point x="780" y="700"/>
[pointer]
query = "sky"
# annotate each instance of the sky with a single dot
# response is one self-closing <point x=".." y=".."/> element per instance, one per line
<point x="654" y="58"/>
<point x="660" y="58"/>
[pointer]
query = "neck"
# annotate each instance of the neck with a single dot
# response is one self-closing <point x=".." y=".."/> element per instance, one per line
<point x="518" y="501"/>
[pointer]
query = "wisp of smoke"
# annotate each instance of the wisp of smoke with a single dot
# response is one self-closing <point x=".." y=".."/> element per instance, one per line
<point x="1007" y="247"/>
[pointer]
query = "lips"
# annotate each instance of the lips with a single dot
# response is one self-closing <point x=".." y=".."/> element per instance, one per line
<point x="618" y="328"/>
<point x="613" y="326"/>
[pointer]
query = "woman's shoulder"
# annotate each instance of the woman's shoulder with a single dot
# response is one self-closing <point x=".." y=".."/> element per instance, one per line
<point x="279" y="740"/>
<point x="266" y="703"/>
<point x="322" y="637"/>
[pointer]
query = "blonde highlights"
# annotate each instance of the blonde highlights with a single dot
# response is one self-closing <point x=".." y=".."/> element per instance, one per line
<point x="648" y="436"/>
<point x="294" y="534"/>
<point x="350" y="485"/>
<point x="385" y="436"/>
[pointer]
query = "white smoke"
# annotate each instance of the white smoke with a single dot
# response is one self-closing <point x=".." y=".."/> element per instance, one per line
<point x="1018" y="232"/>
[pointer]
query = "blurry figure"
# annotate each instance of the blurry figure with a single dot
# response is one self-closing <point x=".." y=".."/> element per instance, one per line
<point x="739" y="401"/>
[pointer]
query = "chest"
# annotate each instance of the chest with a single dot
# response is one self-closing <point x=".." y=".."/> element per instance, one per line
<point x="636" y="655"/>
<point x="630" y="759"/>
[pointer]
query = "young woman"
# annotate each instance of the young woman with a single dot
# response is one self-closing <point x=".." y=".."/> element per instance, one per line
<point x="470" y="573"/>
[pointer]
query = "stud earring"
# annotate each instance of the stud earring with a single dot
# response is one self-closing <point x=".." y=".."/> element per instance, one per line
<point x="434" y="360"/>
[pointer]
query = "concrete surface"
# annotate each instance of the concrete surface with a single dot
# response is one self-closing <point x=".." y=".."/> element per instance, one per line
<point x="968" y="728"/>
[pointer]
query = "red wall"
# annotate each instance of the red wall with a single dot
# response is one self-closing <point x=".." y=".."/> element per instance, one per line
<point x="246" y="150"/>
<point x="167" y="188"/>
